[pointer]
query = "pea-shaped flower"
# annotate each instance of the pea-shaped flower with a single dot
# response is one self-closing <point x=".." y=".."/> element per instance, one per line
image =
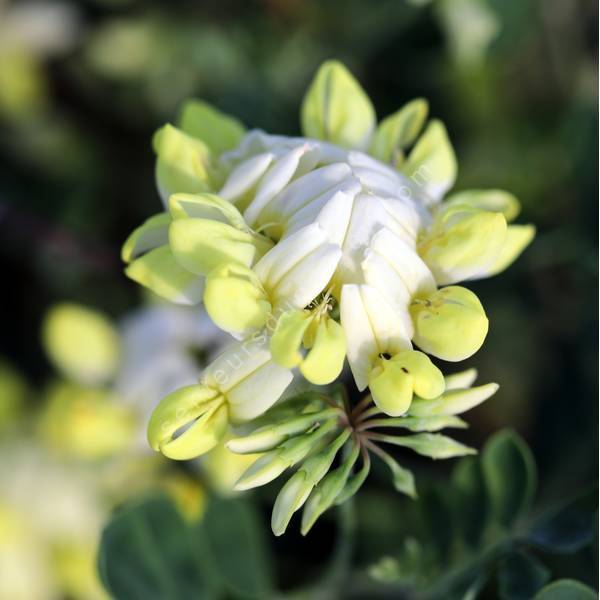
<point x="313" y="249"/>
<point x="238" y="386"/>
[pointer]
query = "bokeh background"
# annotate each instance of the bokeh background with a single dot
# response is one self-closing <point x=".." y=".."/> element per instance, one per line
<point x="83" y="86"/>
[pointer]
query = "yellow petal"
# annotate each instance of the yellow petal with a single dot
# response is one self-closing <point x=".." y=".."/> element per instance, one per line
<point x="182" y="164"/>
<point x="464" y="247"/>
<point x="431" y="165"/>
<point x="325" y="360"/>
<point x="336" y="109"/>
<point x="398" y="131"/>
<point x="200" y="245"/>
<point x="518" y="237"/>
<point x="489" y="200"/>
<point x="159" y="271"/>
<point x="219" y="131"/>
<point x="428" y="380"/>
<point x="202" y="436"/>
<point x="391" y="387"/>
<point x="450" y="323"/>
<point x="287" y="337"/>
<point x="152" y="233"/>
<point x="88" y="423"/>
<point x="205" y="206"/>
<point x="81" y="342"/>
<point x="198" y="405"/>
<point x="235" y="299"/>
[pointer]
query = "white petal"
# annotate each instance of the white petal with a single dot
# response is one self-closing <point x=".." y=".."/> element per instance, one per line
<point x="334" y="217"/>
<point x="405" y="219"/>
<point x="245" y="176"/>
<point x="288" y="253"/>
<point x="360" y="159"/>
<point x="376" y="182"/>
<point x="371" y="327"/>
<point x="276" y="178"/>
<point x="238" y="361"/>
<point x="368" y="217"/>
<point x="302" y="284"/>
<point x="304" y="189"/>
<point x="360" y="338"/>
<point x="385" y="279"/>
<point x="405" y="261"/>
<point x="387" y="325"/>
<point x="258" y="392"/>
<point x="331" y="210"/>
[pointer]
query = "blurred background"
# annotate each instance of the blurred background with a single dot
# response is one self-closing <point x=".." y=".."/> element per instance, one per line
<point x="83" y="86"/>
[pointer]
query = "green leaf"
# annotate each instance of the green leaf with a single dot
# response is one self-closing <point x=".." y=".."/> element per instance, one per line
<point x="398" y="131"/>
<point x="219" y="131"/>
<point x="438" y="524"/>
<point x="520" y="576"/>
<point x="238" y="548"/>
<point x="147" y="552"/>
<point x="510" y="475"/>
<point x="336" y="109"/>
<point x="471" y="502"/>
<point x="568" y="529"/>
<point x="566" y="589"/>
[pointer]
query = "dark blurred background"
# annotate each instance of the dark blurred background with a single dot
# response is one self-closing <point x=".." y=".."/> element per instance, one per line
<point x="83" y="85"/>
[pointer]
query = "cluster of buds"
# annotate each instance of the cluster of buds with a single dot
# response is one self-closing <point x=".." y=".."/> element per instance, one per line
<point x="340" y="244"/>
<point x="309" y="431"/>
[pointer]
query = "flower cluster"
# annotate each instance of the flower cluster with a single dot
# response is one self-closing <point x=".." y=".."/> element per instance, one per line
<point x="340" y="244"/>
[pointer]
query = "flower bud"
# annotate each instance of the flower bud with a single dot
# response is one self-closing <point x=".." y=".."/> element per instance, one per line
<point x="518" y="237"/>
<point x="398" y="131"/>
<point x="154" y="232"/>
<point x="432" y="445"/>
<point x="158" y="271"/>
<point x="270" y="465"/>
<point x="235" y="299"/>
<point x="264" y="470"/>
<point x="183" y="163"/>
<point x="295" y="492"/>
<point x="290" y="498"/>
<point x="205" y="206"/>
<point x="337" y="109"/>
<point x="431" y="164"/>
<point x="271" y="436"/>
<point x="449" y="323"/>
<point x="82" y="343"/>
<point x="463" y="244"/>
<point x="460" y="380"/>
<point x="200" y="245"/>
<point x="199" y="407"/>
<point x="328" y="490"/>
<point x="219" y="131"/>
<point x="489" y="200"/>
<point x="453" y="401"/>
